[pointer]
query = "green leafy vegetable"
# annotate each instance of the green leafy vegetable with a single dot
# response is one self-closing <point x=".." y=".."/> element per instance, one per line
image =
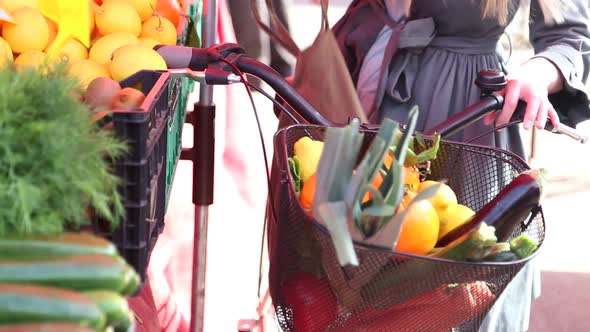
<point x="523" y="246"/>
<point x="341" y="148"/>
<point x="53" y="160"/>
<point x="295" y="169"/>
<point x="342" y="184"/>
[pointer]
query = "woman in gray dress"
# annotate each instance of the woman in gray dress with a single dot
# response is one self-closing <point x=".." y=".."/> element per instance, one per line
<point x="440" y="52"/>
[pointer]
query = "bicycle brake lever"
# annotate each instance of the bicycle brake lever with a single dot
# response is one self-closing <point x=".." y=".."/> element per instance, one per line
<point x="561" y="129"/>
<point x="493" y="80"/>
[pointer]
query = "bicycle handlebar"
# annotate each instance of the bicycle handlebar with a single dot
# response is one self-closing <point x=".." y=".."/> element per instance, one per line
<point x="456" y="123"/>
<point x="202" y="58"/>
<point x="283" y="89"/>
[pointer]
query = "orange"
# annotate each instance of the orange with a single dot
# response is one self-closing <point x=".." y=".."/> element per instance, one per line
<point x="91" y="21"/>
<point x="149" y="42"/>
<point x="419" y="231"/>
<point x="87" y="70"/>
<point x="388" y="160"/>
<point x="412" y="177"/>
<point x="145" y="8"/>
<point x="12" y="5"/>
<point x="94" y="8"/>
<point x="103" y="48"/>
<point x="73" y="50"/>
<point x="115" y="16"/>
<point x="160" y="29"/>
<point x="129" y="59"/>
<point x="52" y="32"/>
<point x="30" y="59"/>
<point x="6" y="56"/>
<point x="169" y="9"/>
<point x="411" y="173"/>
<point x="30" y="33"/>
<point x="307" y="193"/>
<point x="407" y="199"/>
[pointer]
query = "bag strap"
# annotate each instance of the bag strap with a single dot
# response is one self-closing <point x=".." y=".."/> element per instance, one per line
<point x="277" y="29"/>
<point x="325" y="25"/>
<point x="390" y="51"/>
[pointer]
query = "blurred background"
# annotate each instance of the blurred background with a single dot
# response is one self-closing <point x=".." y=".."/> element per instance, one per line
<point x="236" y="218"/>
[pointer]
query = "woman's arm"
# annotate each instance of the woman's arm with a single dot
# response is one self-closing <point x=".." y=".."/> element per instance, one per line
<point x="559" y="64"/>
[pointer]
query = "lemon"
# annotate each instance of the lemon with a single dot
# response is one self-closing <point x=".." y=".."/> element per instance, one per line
<point x="73" y="50"/>
<point x="149" y="42"/>
<point x="87" y="70"/>
<point x="30" y="59"/>
<point x="453" y="217"/>
<point x="5" y="53"/>
<point x="130" y="59"/>
<point x="117" y="16"/>
<point x="145" y="8"/>
<point x="160" y="29"/>
<point x="94" y="39"/>
<point x="102" y="50"/>
<point x="444" y="196"/>
<point x="12" y="5"/>
<point x="30" y="32"/>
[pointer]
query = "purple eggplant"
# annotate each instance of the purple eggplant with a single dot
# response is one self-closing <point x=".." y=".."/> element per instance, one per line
<point x="507" y="210"/>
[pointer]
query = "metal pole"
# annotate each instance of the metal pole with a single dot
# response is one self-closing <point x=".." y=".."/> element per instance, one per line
<point x="209" y="32"/>
<point x="203" y="144"/>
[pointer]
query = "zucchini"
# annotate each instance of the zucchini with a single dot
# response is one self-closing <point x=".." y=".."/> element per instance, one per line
<point x="507" y="210"/>
<point x="132" y="282"/>
<point x="502" y="256"/>
<point x="114" y="307"/>
<point x="45" y="327"/>
<point x="473" y="246"/>
<point x="67" y="244"/>
<point x="523" y="246"/>
<point x="500" y="247"/>
<point x="35" y="304"/>
<point x="80" y="273"/>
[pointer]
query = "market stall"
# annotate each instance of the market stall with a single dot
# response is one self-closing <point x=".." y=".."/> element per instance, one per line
<point x="93" y="173"/>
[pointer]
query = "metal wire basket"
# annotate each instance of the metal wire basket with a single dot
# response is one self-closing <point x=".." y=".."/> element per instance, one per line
<point x="388" y="290"/>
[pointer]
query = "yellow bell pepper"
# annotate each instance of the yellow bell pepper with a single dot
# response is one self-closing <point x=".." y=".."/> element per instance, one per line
<point x="308" y="152"/>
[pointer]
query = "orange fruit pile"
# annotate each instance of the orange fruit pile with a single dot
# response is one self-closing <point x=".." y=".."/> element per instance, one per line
<point x="113" y="24"/>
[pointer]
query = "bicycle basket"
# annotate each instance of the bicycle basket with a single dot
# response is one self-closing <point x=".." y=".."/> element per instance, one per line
<point x="387" y="291"/>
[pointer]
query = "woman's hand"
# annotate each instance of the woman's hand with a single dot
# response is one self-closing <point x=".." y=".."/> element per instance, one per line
<point x="531" y="83"/>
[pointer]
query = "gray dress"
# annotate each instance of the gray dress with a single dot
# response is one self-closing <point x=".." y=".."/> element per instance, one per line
<point x="443" y="48"/>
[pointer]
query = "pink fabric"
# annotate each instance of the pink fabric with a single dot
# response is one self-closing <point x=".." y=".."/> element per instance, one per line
<point x="145" y="310"/>
<point x="170" y="268"/>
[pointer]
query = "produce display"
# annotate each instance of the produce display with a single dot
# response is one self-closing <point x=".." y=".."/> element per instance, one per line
<point x="56" y="164"/>
<point x="54" y="167"/>
<point x="392" y="187"/>
<point x="112" y="24"/>
<point x="66" y="282"/>
<point x="121" y="33"/>
<point x="54" y="161"/>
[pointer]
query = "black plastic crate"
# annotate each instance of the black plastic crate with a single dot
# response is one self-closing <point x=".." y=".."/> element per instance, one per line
<point x="145" y="168"/>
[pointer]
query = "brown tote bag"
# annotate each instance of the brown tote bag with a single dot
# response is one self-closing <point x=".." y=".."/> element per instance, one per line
<point x="321" y="75"/>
